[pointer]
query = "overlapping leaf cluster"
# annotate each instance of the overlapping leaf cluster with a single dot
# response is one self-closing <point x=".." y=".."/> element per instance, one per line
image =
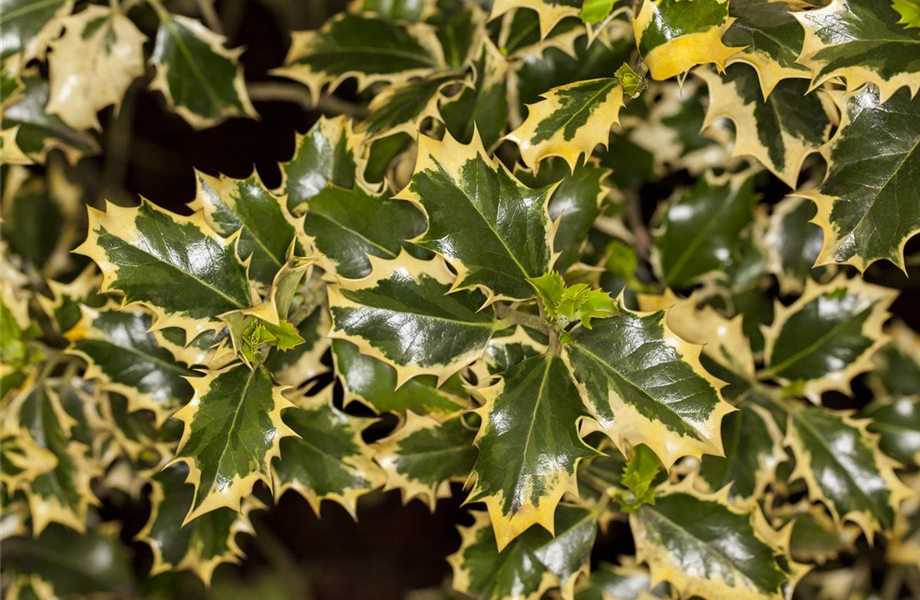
<point x="471" y="256"/>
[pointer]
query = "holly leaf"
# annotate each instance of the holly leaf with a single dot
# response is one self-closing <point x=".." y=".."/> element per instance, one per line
<point x="571" y="120"/>
<point x="63" y="308"/>
<point x="703" y="546"/>
<point x="401" y="314"/>
<point x="233" y="430"/>
<point x="186" y="51"/>
<point x="674" y="36"/>
<point x="771" y="40"/>
<point x="341" y="49"/>
<point x="28" y="26"/>
<point x="857" y="485"/>
<point x="506" y="351"/>
<point x="566" y="305"/>
<point x="909" y="11"/>
<point x="424" y="456"/>
<point x="702" y="230"/>
<point x="781" y="131"/>
<point x="373" y="383"/>
<point x="639" y="474"/>
<point x="616" y="582"/>
<point x="92" y="65"/>
<point x="326" y="459"/>
<point x="828" y="336"/>
<point x="266" y="228"/>
<point x="841" y="36"/>
<point x="529" y="446"/>
<point x="493" y="230"/>
<point x="124" y="357"/>
<point x="200" y="546"/>
<point x="482" y="104"/>
<point x="860" y="204"/>
<point x="897" y="366"/>
<point x="297" y="365"/>
<point x="532" y="564"/>
<point x="549" y="13"/>
<point x="461" y="34"/>
<point x="613" y="366"/>
<point x="398" y="10"/>
<point x="177" y="266"/>
<point x="326" y="154"/>
<point x="348" y="226"/>
<point x="897" y="422"/>
<point x="793" y="244"/>
<point x="403" y="107"/>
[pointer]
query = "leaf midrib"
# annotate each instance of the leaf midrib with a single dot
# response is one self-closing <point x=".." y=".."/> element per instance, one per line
<point x="533" y="420"/>
<point x="814" y="346"/>
<point x="16" y="13"/>
<point x="170" y="366"/>
<point x="232" y="429"/>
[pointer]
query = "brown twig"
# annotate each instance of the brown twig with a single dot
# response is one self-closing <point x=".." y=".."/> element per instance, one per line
<point x="632" y="210"/>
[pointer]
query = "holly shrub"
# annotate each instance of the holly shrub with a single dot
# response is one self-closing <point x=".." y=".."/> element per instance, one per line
<point x="626" y="269"/>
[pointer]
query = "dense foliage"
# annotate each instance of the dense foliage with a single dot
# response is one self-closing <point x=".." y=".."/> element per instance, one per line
<point x="470" y="246"/>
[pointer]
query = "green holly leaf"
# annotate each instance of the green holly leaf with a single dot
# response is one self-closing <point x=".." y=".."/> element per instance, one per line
<point x="594" y="12"/>
<point x="296" y="365"/>
<point x="860" y="204"/>
<point x="575" y="203"/>
<point x="529" y="446"/>
<point x="186" y="51"/>
<point x="897" y="422"/>
<point x="793" y="244"/>
<point x="29" y="25"/>
<point x="632" y="83"/>
<point x="639" y="474"/>
<point x="780" y="131"/>
<point x="33" y="132"/>
<point x="327" y="459"/>
<point x="532" y="564"/>
<point x="461" y="34"/>
<point x="566" y="305"/>
<point x="266" y="229"/>
<point x="372" y="382"/>
<point x="673" y="36"/>
<point x="569" y="121"/>
<point x="828" y="336"/>
<point x="909" y="11"/>
<point x="424" y="456"/>
<point x="838" y="36"/>
<point x="124" y="357"/>
<point x="233" y="429"/>
<point x="857" y="484"/>
<point x="200" y="546"/>
<point x="703" y="546"/>
<point x="611" y="364"/>
<point x="347" y="226"/>
<point x="401" y="314"/>
<point x="753" y="444"/>
<point x="493" y="230"/>
<point x="771" y="39"/>
<point x="24" y="460"/>
<point x="341" y="50"/>
<point x="177" y="266"/>
<point x="482" y="105"/>
<point x="702" y="230"/>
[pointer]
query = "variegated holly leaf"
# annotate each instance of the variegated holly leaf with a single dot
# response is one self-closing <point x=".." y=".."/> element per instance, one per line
<point x="61" y="495"/>
<point x="815" y="537"/>
<point x="483" y="105"/>
<point x="513" y="346"/>
<point x="780" y="131"/>
<point x="569" y="121"/>
<point x="347" y="226"/>
<point x="620" y="365"/>
<point x="532" y="564"/>
<point x="200" y="546"/>
<point x="575" y="203"/>
<point x="326" y="459"/>
<point x="186" y="51"/>
<point x="92" y="64"/>
<point x="840" y="38"/>
<point x="373" y="383"/>
<point x="24" y="460"/>
<point x="29" y="25"/>
<point x="700" y="233"/>
<point x="342" y="49"/>
<point x="33" y="132"/>
<point x="549" y="12"/>
<point x="494" y="231"/>
<point x="266" y="228"/>
<point x="395" y="10"/>
<point x="424" y="456"/>
<point x="771" y="39"/>
<point x="897" y="365"/>
<point x="125" y="357"/>
<point x="793" y="244"/>
<point x="904" y="546"/>
<point x="210" y="348"/>
<point x="403" y="107"/>
<point x="897" y="422"/>
<point x="861" y="204"/>
<point x="828" y="336"/>
<point x="295" y="366"/>
<point x="704" y="547"/>
<point x="619" y="582"/>
<point x="402" y="314"/>
<point x="233" y="430"/>
<point x="461" y="33"/>
<point x="844" y="469"/>
<point x="529" y="446"/>
<point x="177" y="266"/>
<point x="673" y="36"/>
<point x="63" y="308"/>
<point x="753" y="444"/>
<point x="325" y="154"/>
